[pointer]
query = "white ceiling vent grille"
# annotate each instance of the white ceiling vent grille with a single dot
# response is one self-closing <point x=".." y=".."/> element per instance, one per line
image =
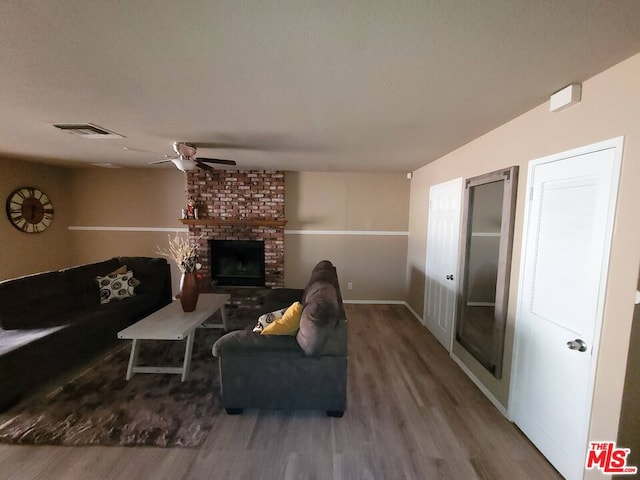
<point x="87" y="130"/>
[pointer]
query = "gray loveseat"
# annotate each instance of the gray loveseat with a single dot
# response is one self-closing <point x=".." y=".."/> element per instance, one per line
<point x="53" y="320"/>
<point x="306" y="371"/>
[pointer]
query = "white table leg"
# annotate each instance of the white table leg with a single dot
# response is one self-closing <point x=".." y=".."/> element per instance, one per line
<point x="223" y="325"/>
<point x="133" y="358"/>
<point x="187" y="355"/>
<point x="223" y="314"/>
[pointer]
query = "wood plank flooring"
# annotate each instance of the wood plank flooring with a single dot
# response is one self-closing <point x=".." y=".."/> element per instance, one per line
<point x="412" y="414"/>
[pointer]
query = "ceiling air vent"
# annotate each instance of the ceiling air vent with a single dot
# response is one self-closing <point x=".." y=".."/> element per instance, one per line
<point x="87" y="130"/>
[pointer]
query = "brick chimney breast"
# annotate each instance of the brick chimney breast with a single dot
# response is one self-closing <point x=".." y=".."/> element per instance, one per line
<point x="246" y="196"/>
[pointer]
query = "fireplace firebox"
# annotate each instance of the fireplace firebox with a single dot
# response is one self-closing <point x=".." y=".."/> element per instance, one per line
<point x="237" y="262"/>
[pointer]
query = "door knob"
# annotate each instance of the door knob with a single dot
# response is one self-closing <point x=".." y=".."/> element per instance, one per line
<point x="578" y="345"/>
<point x="449" y="277"/>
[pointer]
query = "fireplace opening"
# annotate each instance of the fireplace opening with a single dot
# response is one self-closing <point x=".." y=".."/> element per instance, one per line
<point x="237" y="262"/>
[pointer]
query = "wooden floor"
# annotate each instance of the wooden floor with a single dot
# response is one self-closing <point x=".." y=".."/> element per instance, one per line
<point x="412" y="414"/>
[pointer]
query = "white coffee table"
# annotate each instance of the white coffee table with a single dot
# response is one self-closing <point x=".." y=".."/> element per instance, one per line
<point x="171" y="323"/>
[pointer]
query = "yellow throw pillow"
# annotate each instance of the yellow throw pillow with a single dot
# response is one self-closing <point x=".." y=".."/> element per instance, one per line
<point x="288" y="324"/>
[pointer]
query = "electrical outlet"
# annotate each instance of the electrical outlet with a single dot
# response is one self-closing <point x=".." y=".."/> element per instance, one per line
<point x="349" y="286"/>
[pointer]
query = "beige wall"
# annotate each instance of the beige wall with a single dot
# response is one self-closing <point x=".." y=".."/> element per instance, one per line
<point x="313" y="201"/>
<point x="25" y="253"/>
<point x="610" y="107"/>
<point x="341" y="205"/>
<point x="346" y="201"/>
<point x="124" y="198"/>
<point x="127" y="197"/>
<point x="374" y="265"/>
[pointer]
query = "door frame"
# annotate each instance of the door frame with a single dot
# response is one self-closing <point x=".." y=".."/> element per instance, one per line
<point x="509" y="176"/>
<point x="459" y="183"/>
<point x="617" y="144"/>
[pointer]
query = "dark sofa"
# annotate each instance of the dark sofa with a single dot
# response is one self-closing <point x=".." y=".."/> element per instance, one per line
<point x="306" y="371"/>
<point x="51" y="321"/>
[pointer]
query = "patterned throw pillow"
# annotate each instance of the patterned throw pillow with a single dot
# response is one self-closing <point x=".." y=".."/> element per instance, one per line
<point x="268" y="318"/>
<point x="288" y="324"/>
<point x="122" y="270"/>
<point x="115" y="286"/>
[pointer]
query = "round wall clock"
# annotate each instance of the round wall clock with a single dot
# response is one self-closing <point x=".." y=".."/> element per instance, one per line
<point x="30" y="210"/>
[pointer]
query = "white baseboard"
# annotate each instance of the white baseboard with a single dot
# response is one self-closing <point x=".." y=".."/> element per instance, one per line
<point x="127" y="229"/>
<point x="386" y="302"/>
<point x="415" y="314"/>
<point x="482" y="388"/>
<point x="349" y="232"/>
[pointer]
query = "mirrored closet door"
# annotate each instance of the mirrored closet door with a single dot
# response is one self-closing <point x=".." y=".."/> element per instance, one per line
<point x="487" y="234"/>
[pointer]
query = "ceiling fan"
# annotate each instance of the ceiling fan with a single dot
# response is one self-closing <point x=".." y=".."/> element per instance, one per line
<point x="187" y="160"/>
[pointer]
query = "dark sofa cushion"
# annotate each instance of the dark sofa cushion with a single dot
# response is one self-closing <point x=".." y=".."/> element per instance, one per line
<point x="35" y="301"/>
<point x="250" y="343"/>
<point x="51" y="351"/>
<point x="83" y="281"/>
<point x="15" y="339"/>
<point x="319" y="317"/>
<point x="283" y="296"/>
<point x="150" y="272"/>
<point x="132" y="308"/>
<point x="324" y="271"/>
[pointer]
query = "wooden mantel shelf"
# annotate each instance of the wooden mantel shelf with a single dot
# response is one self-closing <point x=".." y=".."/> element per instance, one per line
<point x="252" y="222"/>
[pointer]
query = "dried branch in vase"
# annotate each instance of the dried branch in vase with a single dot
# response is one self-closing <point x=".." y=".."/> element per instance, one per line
<point x="183" y="252"/>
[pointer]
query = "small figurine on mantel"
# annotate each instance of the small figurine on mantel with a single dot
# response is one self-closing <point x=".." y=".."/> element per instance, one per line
<point x="191" y="211"/>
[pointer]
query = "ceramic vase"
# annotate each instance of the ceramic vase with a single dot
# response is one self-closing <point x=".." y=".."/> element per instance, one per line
<point x="188" y="292"/>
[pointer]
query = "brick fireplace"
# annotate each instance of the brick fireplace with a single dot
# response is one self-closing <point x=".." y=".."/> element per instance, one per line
<point x="239" y="205"/>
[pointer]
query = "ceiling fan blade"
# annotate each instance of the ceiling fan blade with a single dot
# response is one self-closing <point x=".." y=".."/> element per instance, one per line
<point x="160" y="161"/>
<point x="204" y="166"/>
<point x="216" y="160"/>
<point x="221" y="145"/>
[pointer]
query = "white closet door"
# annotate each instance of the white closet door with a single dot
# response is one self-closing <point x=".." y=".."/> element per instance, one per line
<point x="441" y="268"/>
<point x="567" y="236"/>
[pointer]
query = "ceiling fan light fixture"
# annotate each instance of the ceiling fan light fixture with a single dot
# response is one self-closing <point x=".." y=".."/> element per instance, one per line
<point x="184" y="164"/>
<point x="187" y="161"/>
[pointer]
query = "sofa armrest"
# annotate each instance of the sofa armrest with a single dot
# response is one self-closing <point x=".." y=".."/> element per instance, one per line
<point x="245" y="342"/>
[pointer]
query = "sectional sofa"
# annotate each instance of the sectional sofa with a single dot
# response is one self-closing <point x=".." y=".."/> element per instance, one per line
<point x="307" y="370"/>
<point x="53" y="320"/>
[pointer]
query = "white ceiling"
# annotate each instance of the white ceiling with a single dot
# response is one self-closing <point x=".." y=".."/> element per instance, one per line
<point x="343" y="85"/>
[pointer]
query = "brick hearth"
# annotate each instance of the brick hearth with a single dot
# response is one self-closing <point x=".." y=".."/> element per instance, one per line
<point x="242" y="196"/>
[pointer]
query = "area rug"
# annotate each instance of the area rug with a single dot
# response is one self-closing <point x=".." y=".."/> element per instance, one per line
<point x="100" y="407"/>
